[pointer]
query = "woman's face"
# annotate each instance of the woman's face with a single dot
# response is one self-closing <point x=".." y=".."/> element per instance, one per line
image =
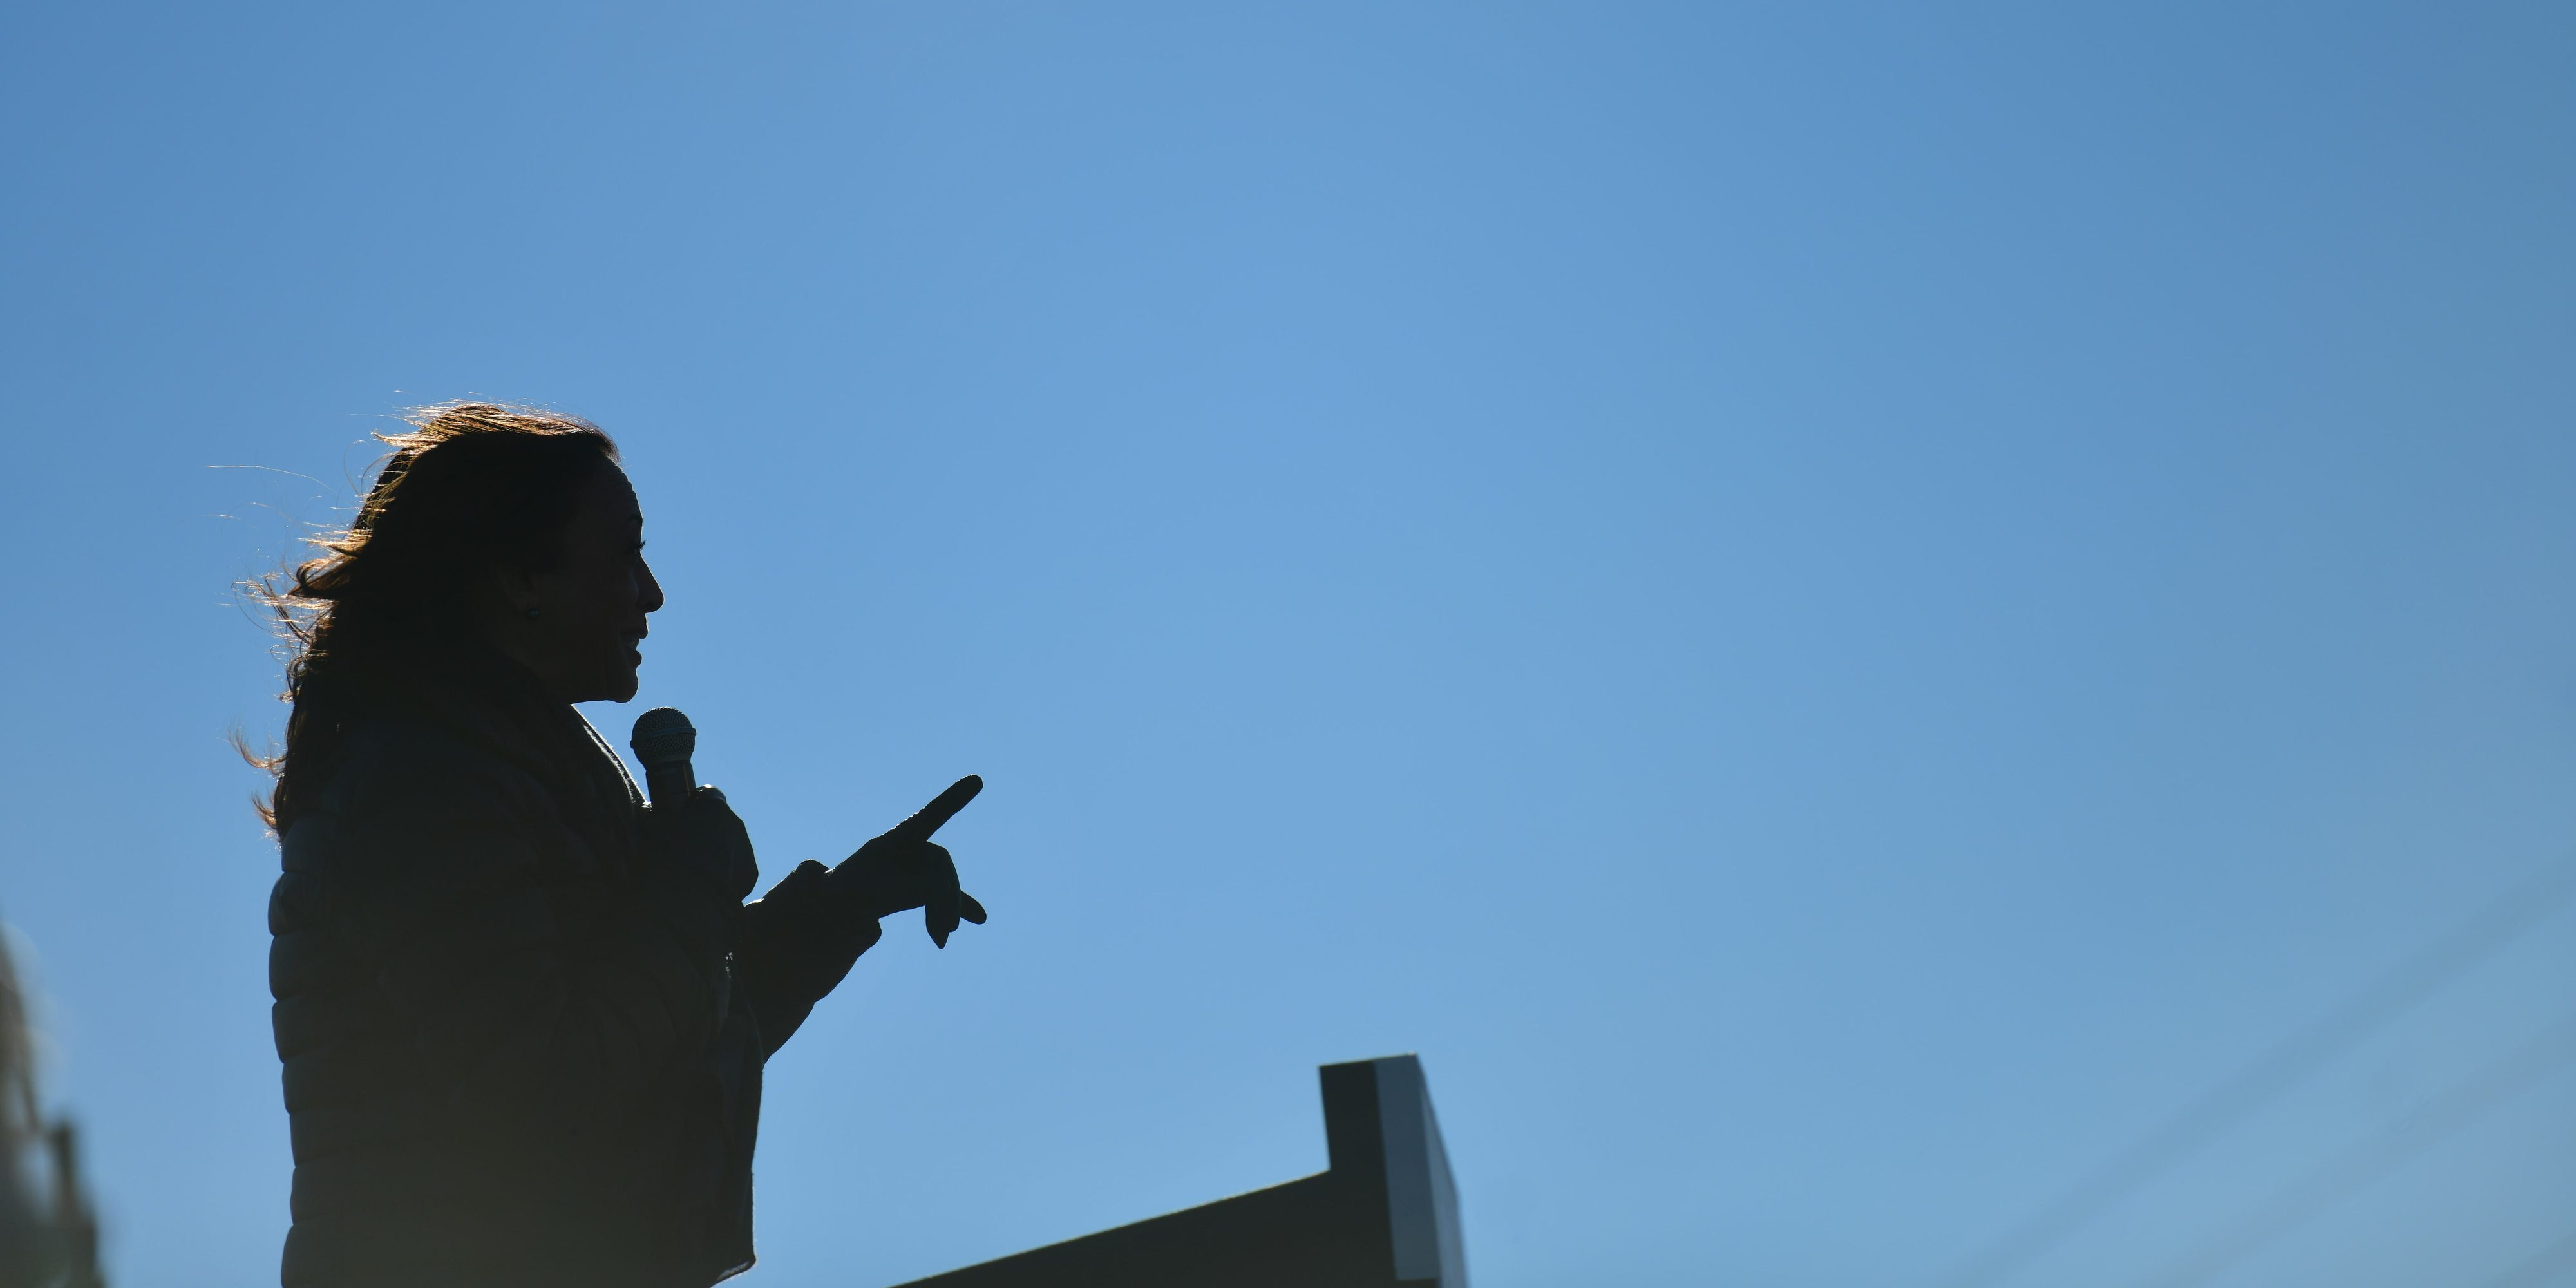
<point x="585" y="641"/>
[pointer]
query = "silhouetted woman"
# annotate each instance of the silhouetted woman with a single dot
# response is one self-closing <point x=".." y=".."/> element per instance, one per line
<point x="522" y="1015"/>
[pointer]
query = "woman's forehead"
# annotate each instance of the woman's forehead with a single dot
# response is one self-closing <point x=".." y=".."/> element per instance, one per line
<point x="611" y="496"/>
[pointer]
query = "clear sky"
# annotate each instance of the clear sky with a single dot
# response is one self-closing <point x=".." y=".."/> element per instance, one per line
<point x="1836" y="612"/>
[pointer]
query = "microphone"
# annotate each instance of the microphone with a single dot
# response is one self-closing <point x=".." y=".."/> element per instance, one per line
<point x="663" y="741"/>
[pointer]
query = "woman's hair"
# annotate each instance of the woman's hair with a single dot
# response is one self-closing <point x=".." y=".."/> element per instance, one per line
<point x="472" y="487"/>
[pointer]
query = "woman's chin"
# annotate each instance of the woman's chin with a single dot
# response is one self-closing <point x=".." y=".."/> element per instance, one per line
<point x="618" y="682"/>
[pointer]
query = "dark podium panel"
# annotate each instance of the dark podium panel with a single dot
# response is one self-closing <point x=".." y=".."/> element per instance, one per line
<point x="1385" y="1213"/>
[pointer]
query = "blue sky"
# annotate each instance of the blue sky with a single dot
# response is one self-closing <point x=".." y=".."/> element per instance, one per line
<point x="1833" y="611"/>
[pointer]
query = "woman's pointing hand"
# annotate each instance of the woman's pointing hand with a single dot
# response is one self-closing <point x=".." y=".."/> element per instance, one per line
<point x="904" y="869"/>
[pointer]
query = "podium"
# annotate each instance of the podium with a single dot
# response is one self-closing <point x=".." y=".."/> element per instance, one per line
<point x="1384" y="1212"/>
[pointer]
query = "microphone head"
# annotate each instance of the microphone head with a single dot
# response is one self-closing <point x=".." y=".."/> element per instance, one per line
<point x="663" y="738"/>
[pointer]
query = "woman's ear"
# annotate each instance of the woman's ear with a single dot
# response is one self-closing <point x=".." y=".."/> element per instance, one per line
<point x="518" y="590"/>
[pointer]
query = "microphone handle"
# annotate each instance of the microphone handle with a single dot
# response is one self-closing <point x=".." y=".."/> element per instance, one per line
<point x="670" y="783"/>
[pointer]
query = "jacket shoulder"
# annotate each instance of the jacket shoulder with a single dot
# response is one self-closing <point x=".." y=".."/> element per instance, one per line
<point x="412" y="819"/>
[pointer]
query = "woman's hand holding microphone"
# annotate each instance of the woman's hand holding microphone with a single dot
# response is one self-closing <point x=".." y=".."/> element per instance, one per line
<point x="896" y="872"/>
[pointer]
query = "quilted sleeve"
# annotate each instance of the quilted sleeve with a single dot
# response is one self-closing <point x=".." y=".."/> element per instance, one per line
<point x="529" y="983"/>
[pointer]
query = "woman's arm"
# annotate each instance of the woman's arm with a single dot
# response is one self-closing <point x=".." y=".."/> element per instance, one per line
<point x="801" y="938"/>
<point x="798" y="941"/>
<point x="525" y="978"/>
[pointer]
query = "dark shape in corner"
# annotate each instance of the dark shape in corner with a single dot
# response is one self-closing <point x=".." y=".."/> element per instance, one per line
<point x="48" y="1234"/>
<point x="1385" y="1213"/>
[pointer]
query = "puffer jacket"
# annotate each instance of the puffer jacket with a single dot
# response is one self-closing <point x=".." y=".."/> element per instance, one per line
<point x="522" y="1031"/>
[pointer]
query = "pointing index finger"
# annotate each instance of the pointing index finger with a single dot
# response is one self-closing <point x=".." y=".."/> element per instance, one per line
<point x="942" y="808"/>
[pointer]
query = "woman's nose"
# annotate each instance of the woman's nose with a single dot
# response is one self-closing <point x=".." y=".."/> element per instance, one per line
<point x="649" y="591"/>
